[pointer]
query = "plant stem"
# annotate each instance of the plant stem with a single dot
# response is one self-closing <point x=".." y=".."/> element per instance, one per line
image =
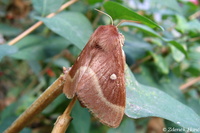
<point x="51" y="93"/>
<point x="64" y="120"/>
<point x="134" y="66"/>
<point x="35" y="26"/>
<point x="189" y="83"/>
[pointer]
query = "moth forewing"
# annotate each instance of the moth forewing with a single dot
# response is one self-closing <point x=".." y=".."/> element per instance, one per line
<point x="97" y="77"/>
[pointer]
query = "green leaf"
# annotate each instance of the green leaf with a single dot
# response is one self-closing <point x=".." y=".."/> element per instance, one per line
<point x="6" y="123"/>
<point x="8" y="30"/>
<point x="35" y="66"/>
<point x="117" y="11"/>
<point x="170" y="84"/>
<point x="177" y="54"/>
<point x="45" y="7"/>
<point x="194" y="55"/>
<point x="169" y="126"/>
<point x="127" y="126"/>
<point x="145" y="101"/>
<point x="194" y="103"/>
<point x="145" y="77"/>
<point x="71" y="25"/>
<point x="38" y="48"/>
<point x="92" y="2"/>
<point x="9" y="111"/>
<point x="60" y="62"/>
<point x="181" y="23"/>
<point x="6" y="50"/>
<point x="26" y="130"/>
<point x="160" y="63"/>
<point x="24" y="102"/>
<point x="179" y="47"/>
<point x="54" y="105"/>
<point x="194" y="25"/>
<point x="184" y="26"/>
<point x="81" y="119"/>
<point x="142" y="27"/>
<point x="156" y="41"/>
<point x="135" y="45"/>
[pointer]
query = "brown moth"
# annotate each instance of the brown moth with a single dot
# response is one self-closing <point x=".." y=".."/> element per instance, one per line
<point x="97" y="77"/>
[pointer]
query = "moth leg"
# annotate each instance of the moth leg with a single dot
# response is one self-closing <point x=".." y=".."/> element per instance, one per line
<point x="66" y="70"/>
<point x="68" y="88"/>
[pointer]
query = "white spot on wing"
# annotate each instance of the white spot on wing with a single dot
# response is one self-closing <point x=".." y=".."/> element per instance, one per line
<point x="113" y="76"/>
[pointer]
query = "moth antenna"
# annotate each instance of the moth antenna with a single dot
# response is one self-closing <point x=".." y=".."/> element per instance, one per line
<point x="106" y="15"/>
<point x="126" y="21"/>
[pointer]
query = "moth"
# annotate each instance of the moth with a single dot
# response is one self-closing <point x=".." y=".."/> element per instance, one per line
<point x="97" y="76"/>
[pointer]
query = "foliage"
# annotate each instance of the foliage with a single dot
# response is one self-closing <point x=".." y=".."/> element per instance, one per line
<point x="162" y="50"/>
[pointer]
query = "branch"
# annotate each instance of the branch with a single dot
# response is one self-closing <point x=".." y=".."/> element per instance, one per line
<point x="35" y="26"/>
<point x="64" y="120"/>
<point x="134" y="66"/>
<point x="51" y="93"/>
<point x="194" y="39"/>
<point x="189" y="83"/>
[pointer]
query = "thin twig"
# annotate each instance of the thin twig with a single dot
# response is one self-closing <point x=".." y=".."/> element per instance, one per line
<point x="68" y="55"/>
<point x="195" y="15"/>
<point x="64" y="120"/>
<point x="51" y="93"/>
<point x="190" y="83"/>
<point x="134" y="66"/>
<point x="32" y="28"/>
<point x="194" y="39"/>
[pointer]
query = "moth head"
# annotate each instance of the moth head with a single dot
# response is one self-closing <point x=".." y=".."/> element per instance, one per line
<point x="107" y="38"/>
